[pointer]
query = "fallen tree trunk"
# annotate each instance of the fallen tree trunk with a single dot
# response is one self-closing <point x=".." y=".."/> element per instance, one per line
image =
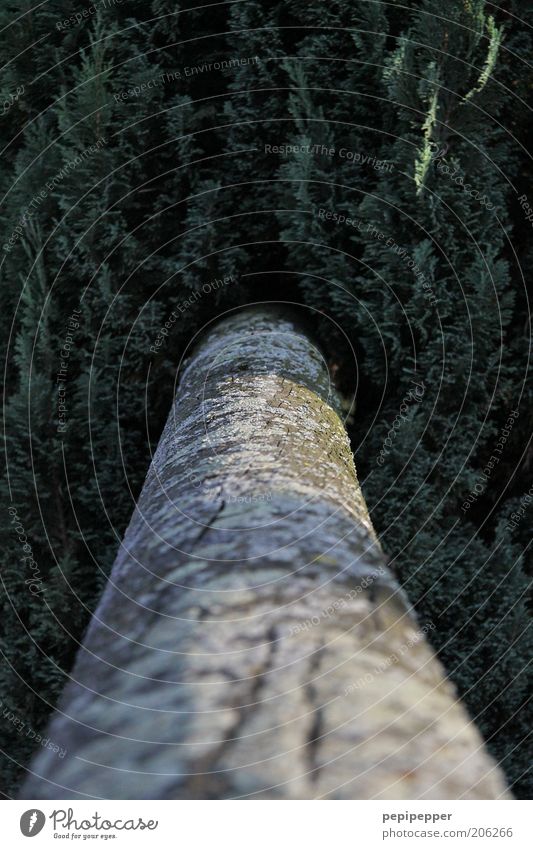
<point x="251" y="642"/>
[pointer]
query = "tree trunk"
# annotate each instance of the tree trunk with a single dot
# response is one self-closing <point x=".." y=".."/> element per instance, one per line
<point x="251" y="642"/>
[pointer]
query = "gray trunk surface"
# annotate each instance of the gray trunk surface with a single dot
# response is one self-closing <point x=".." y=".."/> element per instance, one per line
<point x="251" y="642"/>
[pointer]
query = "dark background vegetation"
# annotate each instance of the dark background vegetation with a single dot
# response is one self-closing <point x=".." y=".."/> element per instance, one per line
<point x="183" y="192"/>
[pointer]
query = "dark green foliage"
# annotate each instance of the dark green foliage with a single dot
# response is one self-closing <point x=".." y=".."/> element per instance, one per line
<point x="154" y="195"/>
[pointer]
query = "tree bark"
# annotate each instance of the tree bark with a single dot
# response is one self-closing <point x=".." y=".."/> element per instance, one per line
<point x="251" y="641"/>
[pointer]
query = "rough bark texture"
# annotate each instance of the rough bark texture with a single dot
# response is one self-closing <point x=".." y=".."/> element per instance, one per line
<point x="250" y="642"/>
